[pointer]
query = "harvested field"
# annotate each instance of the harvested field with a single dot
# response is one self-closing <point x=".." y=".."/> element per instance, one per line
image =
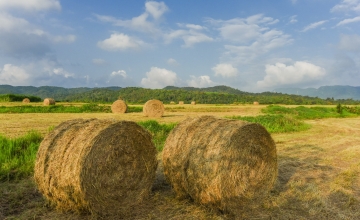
<point x="318" y="171"/>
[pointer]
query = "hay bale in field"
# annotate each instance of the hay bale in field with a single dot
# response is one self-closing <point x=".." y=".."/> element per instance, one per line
<point x="106" y="167"/>
<point x="193" y="103"/>
<point x="119" y="106"/>
<point x="181" y="102"/>
<point x="172" y="103"/>
<point x="221" y="163"/>
<point x="256" y="103"/>
<point x="154" y="108"/>
<point x="26" y="100"/>
<point x="49" y="101"/>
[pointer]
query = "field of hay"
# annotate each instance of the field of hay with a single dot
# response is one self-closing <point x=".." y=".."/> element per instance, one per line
<point x="318" y="170"/>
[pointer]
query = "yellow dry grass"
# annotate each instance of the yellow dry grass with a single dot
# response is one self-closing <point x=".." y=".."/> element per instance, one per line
<point x="318" y="175"/>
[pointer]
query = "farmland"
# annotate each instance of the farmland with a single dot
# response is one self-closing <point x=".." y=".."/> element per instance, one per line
<point x="318" y="165"/>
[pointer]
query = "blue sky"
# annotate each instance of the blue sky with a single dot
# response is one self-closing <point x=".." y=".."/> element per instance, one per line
<point x="253" y="46"/>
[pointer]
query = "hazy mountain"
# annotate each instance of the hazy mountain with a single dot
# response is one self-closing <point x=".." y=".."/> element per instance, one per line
<point x="324" y="92"/>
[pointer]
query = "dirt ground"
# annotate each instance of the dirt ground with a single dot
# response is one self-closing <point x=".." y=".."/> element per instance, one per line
<point x="318" y="172"/>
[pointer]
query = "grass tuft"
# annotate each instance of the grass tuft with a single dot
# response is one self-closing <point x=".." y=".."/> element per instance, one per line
<point x="17" y="155"/>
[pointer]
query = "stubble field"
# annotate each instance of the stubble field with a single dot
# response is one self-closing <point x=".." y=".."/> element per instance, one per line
<point x="318" y="170"/>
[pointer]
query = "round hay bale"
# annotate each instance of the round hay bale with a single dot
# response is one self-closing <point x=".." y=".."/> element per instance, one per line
<point x="193" y="103"/>
<point x="154" y="108"/>
<point x="119" y="106"/>
<point x="221" y="163"/>
<point x="26" y="100"/>
<point x="106" y="167"/>
<point x="49" y="101"/>
<point x="172" y="103"/>
<point x="256" y="103"/>
<point x="181" y="102"/>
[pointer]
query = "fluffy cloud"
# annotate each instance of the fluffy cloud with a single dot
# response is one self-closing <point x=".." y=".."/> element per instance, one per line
<point x="225" y="70"/>
<point x="348" y="21"/>
<point x="159" y="78"/>
<point x="20" y="38"/>
<point x="249" y="37"/>
<point x="121" y="73"/>
<point x="140" y="23"/>
<point x="118" y="42"/>
<point x="201" y="81"/>
<point x="346" y="6"/>
<point x="314" y="25"/>
<point x="300" y="72"/>
<point x="30" y="5"/>
<point x="156" y="9"/>
<point x="350" y="43"/>
<point x="293" y="19"/>
<point x="172" y="62"/>
<point x="191" y="35"/>
<point x="14" y="75"/>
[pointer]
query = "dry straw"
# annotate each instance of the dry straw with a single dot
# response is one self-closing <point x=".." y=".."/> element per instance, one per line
<point x="181" y="102"/>
<point x="154" y="108"/>
<point x="119" y="106"/>
<point x="224" y="164"/>
<point x="26" y="100"/>
<point x="49" y="101"/>
<point x="193" y="103"/>
<point x="106" y="167"/>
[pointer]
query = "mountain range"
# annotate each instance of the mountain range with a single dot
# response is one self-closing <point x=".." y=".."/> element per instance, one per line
<point x="324" y="92"/>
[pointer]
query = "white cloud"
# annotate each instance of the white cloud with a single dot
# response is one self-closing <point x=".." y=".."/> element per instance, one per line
<point x="30" y="5"/>
<point x="225" y="70"/>
<point x="140" y="23"/>
<point x="119" y="42"/>
<point x="314" y="25"/>
<point x="293" y="19"/>
<point x="98" y="61"/>
<point x="9" y="23"/>
<point x="347" y="6"/>
<point x="300" y="72"/>
<point x="172" y="62"/>
<point x="200" y="82"/>
<point x="267" y="42"/>
<point x="61" y="72"/>
<point x="348" y="21"/>
<point x="119" y="73"/>
<point x="159" y="78"/>
<point x="14" y="75"/>
<point x="350" y="43"/>
<point x="243" y="30"/>
<point x="190" y="37"/>
<point x="156" y="9"/>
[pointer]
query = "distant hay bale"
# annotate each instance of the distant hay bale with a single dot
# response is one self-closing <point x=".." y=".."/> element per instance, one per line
<point x="256" y="103"/>
<point x="193" y="103"/>
<point x="221" y="163"/>
<point x="119" y="106"/>
<point x="154" y="108"/>
<point x="26" y="100"/>
<point x="172" y="103"/>
<point x="49" y="101"/>
<point x="181" y="102"/>
<point x="106" y="167"/>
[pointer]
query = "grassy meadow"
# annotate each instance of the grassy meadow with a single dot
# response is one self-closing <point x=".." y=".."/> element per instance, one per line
<point x="318" y="149"/>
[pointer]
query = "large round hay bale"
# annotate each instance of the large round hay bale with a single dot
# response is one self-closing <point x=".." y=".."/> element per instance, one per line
<point x="119" y="106"/>
<point x="221" y="163"/>
<point x="154" y="108"/>
<point x="193" y="103"/>
<point x="256" y="103"/>
<point x="49" y="101"/>
<point x="181" y="102"/>
<point x="106" y="167"/>
<point x="26" y="100"/>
